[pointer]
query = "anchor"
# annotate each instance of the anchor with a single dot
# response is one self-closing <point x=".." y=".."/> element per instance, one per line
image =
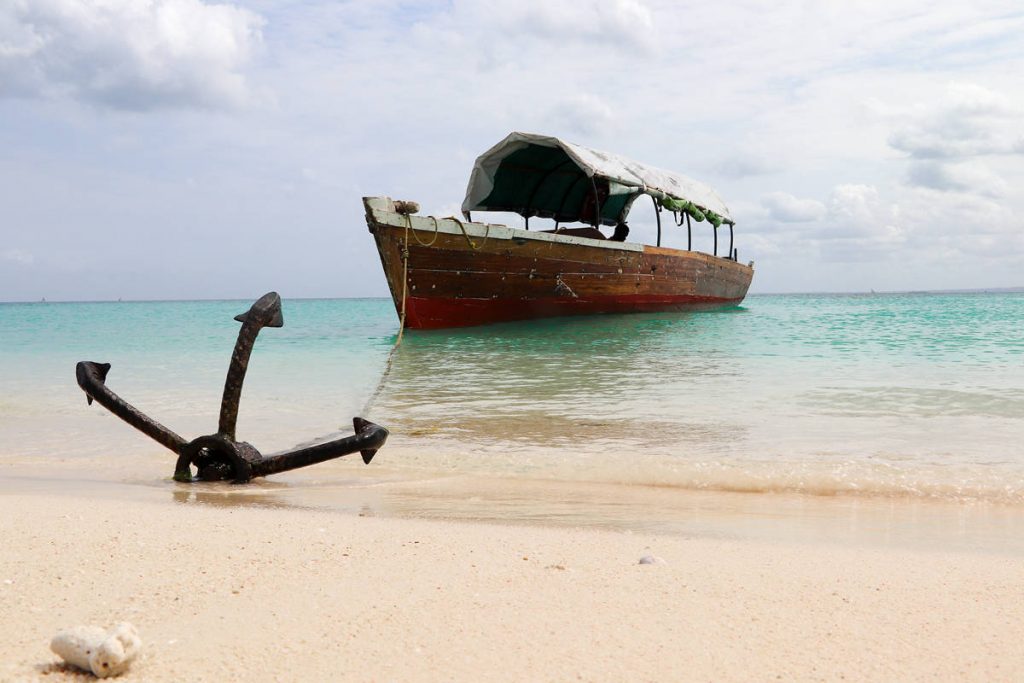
<point x="220" y="457"/>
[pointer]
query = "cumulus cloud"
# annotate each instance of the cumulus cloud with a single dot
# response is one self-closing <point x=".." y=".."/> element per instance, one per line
<point x="967" y="121"/>
<point x="17" y="256"/>
<point x="861" y="225"/>
<point x="601" y="23"/>
<point x="786" y="208"/>
<point x="948" y="140"/>
<point x="946" y="227"/>
<point x="859" y="208"/>
<point x="970" y="177"/>
<point x="127" y="54"/>
<point x="584" y="115"/>
<point x="744" y="165"/>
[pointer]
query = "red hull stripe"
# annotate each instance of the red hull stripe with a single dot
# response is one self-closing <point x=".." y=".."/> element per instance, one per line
<point x="429" y="313"/>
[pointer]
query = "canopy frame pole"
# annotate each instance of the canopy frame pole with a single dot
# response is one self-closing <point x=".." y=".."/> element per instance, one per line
<point x="731" y="250"/>
<point x="527" y="220"/>
<point x="689" y="234"/>
<point x="657" y="215"/>
<point x="715" y="230"/>
<point x="597" y="203"/>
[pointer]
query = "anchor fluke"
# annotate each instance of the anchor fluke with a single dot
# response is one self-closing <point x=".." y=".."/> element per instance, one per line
<point x="91" y="371"/>
<point x="362" y="426"/>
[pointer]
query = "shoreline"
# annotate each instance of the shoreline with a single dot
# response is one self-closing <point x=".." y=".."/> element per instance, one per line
<point x="243" y="592"/>
<point x="854" y="520"/>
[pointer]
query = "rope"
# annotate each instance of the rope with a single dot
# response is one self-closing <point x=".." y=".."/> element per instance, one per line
<point x="405" y="280"/>
<point x="401" y="318"/>
<point x="465" y="234"/>
<point x="405" y="295"/>
<point x="408" y="220"/>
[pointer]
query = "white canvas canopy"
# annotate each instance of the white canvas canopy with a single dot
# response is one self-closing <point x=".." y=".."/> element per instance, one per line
<point x="624" y="176"/>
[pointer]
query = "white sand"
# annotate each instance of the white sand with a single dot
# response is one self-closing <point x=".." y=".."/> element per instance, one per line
<point x="245" y="594"/>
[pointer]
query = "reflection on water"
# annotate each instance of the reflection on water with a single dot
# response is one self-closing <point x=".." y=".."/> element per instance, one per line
<point x="896" y="395"/>
<point x="619" y="379"/>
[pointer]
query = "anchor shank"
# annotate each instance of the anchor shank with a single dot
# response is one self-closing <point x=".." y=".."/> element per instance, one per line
<point x="266" y="312"/>
<point x="92" y="378"/>
<point x="233" y="383"/>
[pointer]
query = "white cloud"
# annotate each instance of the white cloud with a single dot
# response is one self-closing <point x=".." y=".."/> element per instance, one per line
<point x="967" y="121"/>
<point x="858" y="208"/>
<point x="18" y="256"/>
<point x="583" y="115"/>
<point x="784" y="207"/>
<point x="622" y="23"/>
<point x="855" y="225"/>
<point x="127" y="54"/>
<point x="973" y="177"/>
<point x="743" y="164"/>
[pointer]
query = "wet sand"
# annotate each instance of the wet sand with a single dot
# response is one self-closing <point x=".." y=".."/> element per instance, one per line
<point x="270" y="583"/>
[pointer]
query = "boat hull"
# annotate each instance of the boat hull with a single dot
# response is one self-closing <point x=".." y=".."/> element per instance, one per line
<point x="463" y="274"/>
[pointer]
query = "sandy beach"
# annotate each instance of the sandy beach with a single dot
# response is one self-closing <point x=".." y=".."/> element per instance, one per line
<point x="807" y="527"/>
<point x="275" y="593"/>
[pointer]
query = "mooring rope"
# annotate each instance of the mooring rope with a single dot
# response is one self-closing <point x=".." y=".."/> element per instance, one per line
<point x="380" y="384"/>
<point x="405" y="292"/>
<point x="401" y="318"/>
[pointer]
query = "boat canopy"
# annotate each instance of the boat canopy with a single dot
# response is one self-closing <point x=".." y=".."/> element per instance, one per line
<point x="539" y="175"/>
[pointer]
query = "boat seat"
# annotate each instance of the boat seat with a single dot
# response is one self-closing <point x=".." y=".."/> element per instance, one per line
<point x="592" y="233"/>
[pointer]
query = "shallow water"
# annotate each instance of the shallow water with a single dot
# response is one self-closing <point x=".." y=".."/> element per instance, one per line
<point x="917" y="396"/>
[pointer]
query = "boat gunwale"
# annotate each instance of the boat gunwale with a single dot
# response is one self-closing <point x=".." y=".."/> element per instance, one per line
<point x="379" y="214"/>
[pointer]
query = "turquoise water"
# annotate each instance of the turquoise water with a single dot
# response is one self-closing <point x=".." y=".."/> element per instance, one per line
<point x="916" y="395"/>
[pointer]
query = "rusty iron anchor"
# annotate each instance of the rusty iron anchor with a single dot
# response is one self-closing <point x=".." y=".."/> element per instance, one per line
<point x="220" y="457"/>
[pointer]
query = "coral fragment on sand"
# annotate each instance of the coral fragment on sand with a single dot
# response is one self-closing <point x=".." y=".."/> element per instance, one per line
<point x="103" y="652"/>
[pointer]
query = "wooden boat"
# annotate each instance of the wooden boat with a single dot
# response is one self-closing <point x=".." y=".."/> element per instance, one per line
<point x="452" y="272"/>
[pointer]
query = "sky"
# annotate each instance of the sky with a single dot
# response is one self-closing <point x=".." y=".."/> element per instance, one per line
<point x="183" y="149"/>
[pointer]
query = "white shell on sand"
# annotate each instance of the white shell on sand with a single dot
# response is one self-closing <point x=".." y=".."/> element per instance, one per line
<point x="104" y="653"/>
<point x="651" y="559"/>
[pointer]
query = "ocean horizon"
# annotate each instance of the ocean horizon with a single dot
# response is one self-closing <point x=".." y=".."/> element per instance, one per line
<point x="968" y="290"/>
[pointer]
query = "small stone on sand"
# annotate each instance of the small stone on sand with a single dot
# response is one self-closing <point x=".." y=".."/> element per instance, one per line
<point x="651" y="559"/>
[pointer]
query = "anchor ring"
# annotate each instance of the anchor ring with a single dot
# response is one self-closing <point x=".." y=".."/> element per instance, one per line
<point x="216" y="458"/>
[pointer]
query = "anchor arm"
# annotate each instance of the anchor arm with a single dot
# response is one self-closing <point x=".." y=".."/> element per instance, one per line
<point x="367" y="439"/>
<point x="92" y="378"/>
